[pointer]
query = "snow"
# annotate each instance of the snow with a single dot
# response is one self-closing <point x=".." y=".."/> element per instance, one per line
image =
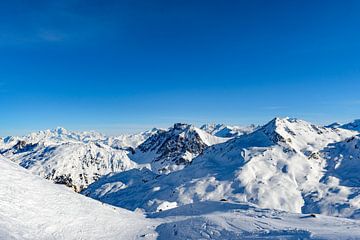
<point x="33" y="208"/>
<point x="219" y="220"/>
<point x="129" y="140"/>
<point x="263" y="184"/>
<point x="355" y="125"/>
<point x="209" y="139"/>
<point x="172" y="149"/>
<point x="76" y="159"/>
<point x="224" y="131"/>
<point x="281" y="166"/>
<point x="74" y="164"/>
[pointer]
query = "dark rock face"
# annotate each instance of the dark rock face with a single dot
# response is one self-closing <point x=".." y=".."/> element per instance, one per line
<point x="172" y="145"/>
<point x="20" y="147"/>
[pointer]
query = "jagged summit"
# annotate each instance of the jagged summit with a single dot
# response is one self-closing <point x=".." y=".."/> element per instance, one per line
<point x="172" y="149"/>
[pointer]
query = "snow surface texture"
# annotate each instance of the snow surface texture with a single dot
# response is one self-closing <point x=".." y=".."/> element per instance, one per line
<point x="221" y="220"/>
<point x="33" y="208"/>
<point x="284" y="165"/>
<point x="221" y="130"/>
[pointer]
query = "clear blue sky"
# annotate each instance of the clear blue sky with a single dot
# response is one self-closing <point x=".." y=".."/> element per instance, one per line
<point x="124" y="66"/>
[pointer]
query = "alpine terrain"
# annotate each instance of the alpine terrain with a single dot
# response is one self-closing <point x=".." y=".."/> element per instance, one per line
<point x="287" y="179"/>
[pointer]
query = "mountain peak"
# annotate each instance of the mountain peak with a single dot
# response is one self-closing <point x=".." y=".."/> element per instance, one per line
<point x="172" y="149"/>
<point x="333" y="125"/>
<point x="181" y="126"/>
<point x="354" y="125"/>
<point x="60" y="130"/>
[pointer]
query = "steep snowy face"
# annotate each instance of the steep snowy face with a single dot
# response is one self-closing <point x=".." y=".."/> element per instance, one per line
<point x="221" y="130"/>
<point x="33" y="208"/>
<point x="172" y="149"/>
<point x="344" y="161"/>
<point x="338" y="193"/>
<point x="277" y="166"/>
<point x="74" y="164"/>
<point x="355" y="125"/>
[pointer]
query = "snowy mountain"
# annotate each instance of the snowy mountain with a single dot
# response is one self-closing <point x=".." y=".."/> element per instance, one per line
<point x="333" y="125"/>
<point x="75" y="159"/>
<point x="354" y="126"/>
<point x="172" y="149"/>
<point x="74" y="164"/>
<point x="282" y="165"/>
<point x="129" y="141"/>
<point x="51" y="137"/>
<point x="266" y="184"/>
<point x="224" y="131"/>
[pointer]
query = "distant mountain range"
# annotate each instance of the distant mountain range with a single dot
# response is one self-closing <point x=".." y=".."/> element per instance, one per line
<point x="286" y="165"/>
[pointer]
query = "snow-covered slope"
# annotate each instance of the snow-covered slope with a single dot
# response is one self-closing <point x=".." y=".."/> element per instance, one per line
<point x="355" y="125"/>
<point x="222" y="220"/>
<point x="75" y="159"/>
<point x="74" y="164"/>
<point x="172" y="149"/>
<point x="281" y="165"/>
<point x="129" y="140"/>
<point x="221" y="130"/>
<point x="338" y="193"/>
<point x="33" y="208"/>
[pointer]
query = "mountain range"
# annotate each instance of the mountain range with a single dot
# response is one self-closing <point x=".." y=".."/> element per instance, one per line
<point x="287" y="167"/>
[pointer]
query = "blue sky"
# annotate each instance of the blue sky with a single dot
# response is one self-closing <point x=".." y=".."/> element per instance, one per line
<point x="125" y="66"/>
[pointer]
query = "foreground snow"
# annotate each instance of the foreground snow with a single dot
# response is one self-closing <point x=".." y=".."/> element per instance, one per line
<point x="34" y="208"/>
<point x="221" y="220"/>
